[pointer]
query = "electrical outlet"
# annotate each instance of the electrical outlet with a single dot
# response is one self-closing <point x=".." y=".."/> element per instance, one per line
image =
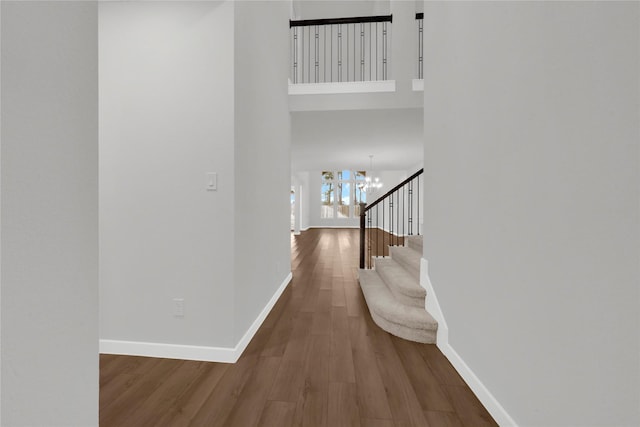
<point x="178" y="307"/>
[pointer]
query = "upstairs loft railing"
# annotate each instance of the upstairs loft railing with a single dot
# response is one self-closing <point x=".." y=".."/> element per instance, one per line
<point x="420" y="26"/>
<point x="340" y="49"/>
<point x="392" y="217"/>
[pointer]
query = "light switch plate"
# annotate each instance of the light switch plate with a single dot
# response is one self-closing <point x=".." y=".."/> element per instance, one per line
<point x="212" y="181"/>
<point x="178" y="307"/>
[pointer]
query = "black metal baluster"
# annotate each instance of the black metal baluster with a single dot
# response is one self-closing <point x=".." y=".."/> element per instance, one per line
<point x="391" y="219"/>
<point x="418" y="206"/>
<point x="347" y="53"/>
<point x="377" y="232"/>
<point x="339" y="53"/>
<point x="410" y="208"/>
<point x="362" y="237"/>
<point x="384" y="51"/>
<point x="317" y="53"/>
<point x="354" y="52"/>
<point x="331" y="55"/>
<point x="369" y="240"/>
<point x="420" y="48"/>
<point x="309" y="55"/>
<point x="397" y="216"/>
<point x="324" y="58"/>
<point x="404" y="202"/>
<point x="362" y="52"/>
<point x="383" y="235"/>
<point x="394" y="217"/>
<point x="295" y="54"/>
<point x="370" y="41"/>
<point x="377" y="25"/>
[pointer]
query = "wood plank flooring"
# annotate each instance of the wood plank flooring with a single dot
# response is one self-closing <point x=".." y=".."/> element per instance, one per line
<point x="317" y="360"/>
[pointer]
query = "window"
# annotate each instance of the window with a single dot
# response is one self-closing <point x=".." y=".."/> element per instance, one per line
<point x="327" y="195"/>
<point x="340" y="194"/>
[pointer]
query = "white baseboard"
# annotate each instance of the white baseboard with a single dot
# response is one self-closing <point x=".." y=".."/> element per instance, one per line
<point x="246" y="338"/>
<point x="483" y="394"/>
<point x="192" y="352"/>
<point x="431" y="303"/>
<point x="169" y="351"/>
<point x="334" y="226"/>
<point x="496" y="410"/>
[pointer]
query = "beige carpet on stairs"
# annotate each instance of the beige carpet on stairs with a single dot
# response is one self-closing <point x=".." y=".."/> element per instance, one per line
<point x="394" y="295"/>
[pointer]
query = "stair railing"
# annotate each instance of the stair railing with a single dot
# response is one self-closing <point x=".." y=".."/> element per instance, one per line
<point x="340" y="49"/>
<point x="387" y="221"/>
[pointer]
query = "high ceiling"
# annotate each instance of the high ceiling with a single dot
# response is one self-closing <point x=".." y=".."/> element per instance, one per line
<point x="345" y="139"/>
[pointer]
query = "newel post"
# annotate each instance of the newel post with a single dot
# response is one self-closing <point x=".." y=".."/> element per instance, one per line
<point x="362" y="235"/>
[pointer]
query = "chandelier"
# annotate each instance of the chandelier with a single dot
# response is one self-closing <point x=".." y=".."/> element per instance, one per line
<point x="370" y="184"/>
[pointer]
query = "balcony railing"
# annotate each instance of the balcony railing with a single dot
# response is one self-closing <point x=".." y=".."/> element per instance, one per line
<point x="340" y="49"/>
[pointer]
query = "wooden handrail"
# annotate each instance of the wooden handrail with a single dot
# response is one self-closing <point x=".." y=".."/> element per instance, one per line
<point x="334" y="21"/>
<point x="393" y="190"/>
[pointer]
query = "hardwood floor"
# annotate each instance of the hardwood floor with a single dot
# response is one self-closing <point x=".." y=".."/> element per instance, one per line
<point x="317" y="360"/>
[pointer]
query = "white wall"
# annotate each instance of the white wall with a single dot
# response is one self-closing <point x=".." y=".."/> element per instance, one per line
<point x="339" y="139"/>
<point x="166" y="119"/>
<point x="0" y="216"/>
<point x="262" y="157"/>
<point x="532" y="188"/>
<point x="49" y="214"/>
<point x="305" y="200"/>
<point x="319" y="9"/>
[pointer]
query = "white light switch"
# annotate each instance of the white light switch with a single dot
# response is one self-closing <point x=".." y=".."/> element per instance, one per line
<point x="178" y="307"/>
<point x="212" y="181"/>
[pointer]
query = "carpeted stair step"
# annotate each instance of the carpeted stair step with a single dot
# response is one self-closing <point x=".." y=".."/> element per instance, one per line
<point x="408" y="322"/>
<point x="408" y="257"/>
<point x="415" y="243"/>
<point x="404" y="287"/>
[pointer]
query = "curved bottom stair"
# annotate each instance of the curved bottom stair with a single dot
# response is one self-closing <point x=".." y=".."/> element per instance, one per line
<point x="394" y="296"/>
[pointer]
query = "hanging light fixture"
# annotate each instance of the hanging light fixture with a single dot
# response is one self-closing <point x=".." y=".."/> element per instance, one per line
<point x="370" y="183"/>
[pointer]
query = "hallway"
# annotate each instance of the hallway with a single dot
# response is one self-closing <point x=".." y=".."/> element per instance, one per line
<point x="317" y="360"/>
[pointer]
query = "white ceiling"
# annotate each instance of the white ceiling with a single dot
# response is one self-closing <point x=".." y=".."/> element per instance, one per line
<point x="344" y="139"/>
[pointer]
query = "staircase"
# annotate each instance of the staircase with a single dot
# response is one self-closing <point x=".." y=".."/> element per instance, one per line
<point x="393" y="293"/>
